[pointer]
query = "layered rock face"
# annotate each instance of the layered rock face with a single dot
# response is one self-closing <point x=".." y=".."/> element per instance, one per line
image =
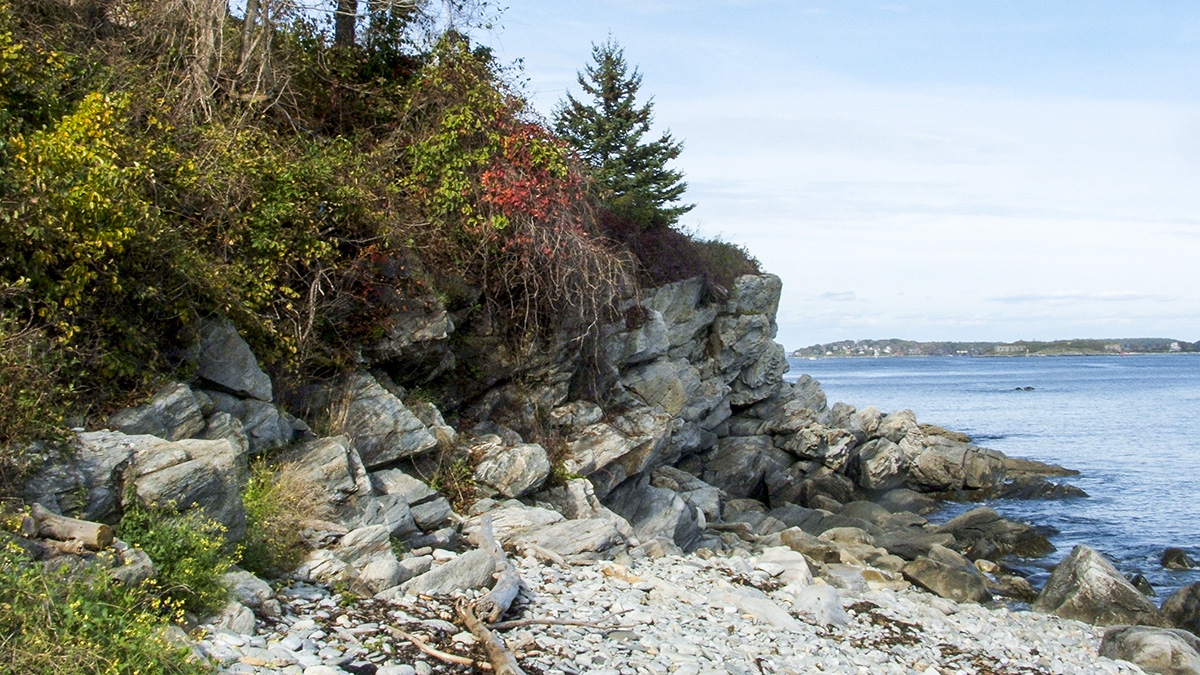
<point x="689" y="437"/>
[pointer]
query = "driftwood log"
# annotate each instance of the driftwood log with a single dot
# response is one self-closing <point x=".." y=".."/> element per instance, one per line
<point x="42" y="523"/>
<point x="496" y="602"/>
<point x="503" y="661"/>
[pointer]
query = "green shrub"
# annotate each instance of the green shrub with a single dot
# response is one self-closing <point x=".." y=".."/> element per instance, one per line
<point x="189" y="550"/>
<point x="85" y="624"/>
<point x="278" y="500"/>
<point x="34" y="395"/>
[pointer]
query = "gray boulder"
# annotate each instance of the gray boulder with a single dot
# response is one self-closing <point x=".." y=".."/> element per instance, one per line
<point x="1183" y="608"/>
<point x="575" y="540"/>
<point x="173" y="413"/>
<point x="881" y="464"/>
<point x="330" y="465"/>
<point x="946" y="465"/>
<point x="666" y="384"/>
<point x="1155" y="650"/>
<point x="904" y="499"/>
<point x="382" y="428"/>
<point x="739" y="465"/>
<point x="473" y="569"/>
<point x="1087" y="587"/>
<point x="656" y="513"/>
<point x="953" y="582"/>
<point x="224" y="360"/>
<point x="512" y="471"/>
<point x="983" y="533"/>
<point x="831" y="447"/>
<point x="264" y="426"/>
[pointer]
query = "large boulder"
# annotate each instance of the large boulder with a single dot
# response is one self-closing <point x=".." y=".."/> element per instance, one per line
<point x="831" y="447"/>
<point x="947" y="465"/>
<point x="954" y="582"/>
<point x="173" y="413"/>
<point x="610" y="453"/>
<point x="739" y="465"/>
<point x="1086" y="586"/>
<point x="666" y="384"/>
<point x="682" y="308"/>
<point x="1155" y="650"/>
<point x="382" y="428"/>
<point x="332" y="466"/>
<point x="983" y="533"/>
<point x="224" y="360"/>
<point x="265" y="427"/>
<point x="1183" y="608"/>
<point x="512" y="471"/>
<point x="656" y="513"/>
<point x="881" y="464"/>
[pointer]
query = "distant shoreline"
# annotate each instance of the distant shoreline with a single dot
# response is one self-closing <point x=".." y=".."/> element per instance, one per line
<point x="1082" y="347"/>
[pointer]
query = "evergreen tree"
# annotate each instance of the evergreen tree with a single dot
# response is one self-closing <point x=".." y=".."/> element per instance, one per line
<point x="607" y="133"/>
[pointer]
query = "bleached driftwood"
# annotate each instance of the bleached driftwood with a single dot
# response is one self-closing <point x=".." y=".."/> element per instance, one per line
<point x="496" y="602"/>
<point x="502" y="660"/>
<point x="42" y="523"/>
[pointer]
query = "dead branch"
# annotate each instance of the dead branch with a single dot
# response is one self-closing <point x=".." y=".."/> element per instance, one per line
<point x="436" y="653"/>
<point x="503" y="661"/>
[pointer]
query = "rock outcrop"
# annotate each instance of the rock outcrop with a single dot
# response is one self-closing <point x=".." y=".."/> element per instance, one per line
<point x="1086" y="586"/>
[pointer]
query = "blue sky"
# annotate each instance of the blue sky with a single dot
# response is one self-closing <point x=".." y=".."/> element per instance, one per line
<point x="941" y="170"/>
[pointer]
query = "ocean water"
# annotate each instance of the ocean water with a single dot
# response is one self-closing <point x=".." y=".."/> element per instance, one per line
<point x="1130" y="425"/>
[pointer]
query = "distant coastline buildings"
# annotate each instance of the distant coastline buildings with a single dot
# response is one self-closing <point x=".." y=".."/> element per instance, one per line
<point x="896" y="347"/>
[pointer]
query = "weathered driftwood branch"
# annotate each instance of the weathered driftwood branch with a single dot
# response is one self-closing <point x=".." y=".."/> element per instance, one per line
<point x="503" y="661"/>
<point x="42" y="523"/>
<point x="437" y="653"/>
<point x="496" y="602"/>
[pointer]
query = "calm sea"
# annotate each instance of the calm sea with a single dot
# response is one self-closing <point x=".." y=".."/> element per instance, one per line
<point x="1130" y="425"/>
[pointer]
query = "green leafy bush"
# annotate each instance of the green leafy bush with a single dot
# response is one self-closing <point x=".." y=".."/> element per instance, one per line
<point x="53" y="623"/>
<point x="189" y="550"/>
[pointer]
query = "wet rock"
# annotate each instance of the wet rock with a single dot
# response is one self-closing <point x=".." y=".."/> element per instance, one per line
<point x="1183" y="608"/>
<point x="1141" y="583"/>
<point x="1177" y="559"/>
<point x="904" y="499"/>
<point x="983" y="533"/>
<point x="1034" y="487"/>
<point x="1156" y="650"/>
<point x="1087" y="587"/>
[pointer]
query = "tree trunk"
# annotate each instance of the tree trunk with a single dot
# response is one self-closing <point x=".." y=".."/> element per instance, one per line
<point x="344" y="20"/>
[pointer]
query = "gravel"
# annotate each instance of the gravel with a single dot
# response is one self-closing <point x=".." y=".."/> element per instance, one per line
<point x="680" y="615"/>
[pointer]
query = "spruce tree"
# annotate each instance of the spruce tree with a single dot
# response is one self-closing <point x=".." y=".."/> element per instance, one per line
<point x="607" y="133"/>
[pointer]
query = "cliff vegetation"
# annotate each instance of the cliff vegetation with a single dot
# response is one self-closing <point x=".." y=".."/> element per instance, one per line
<point x="309" y="177"/>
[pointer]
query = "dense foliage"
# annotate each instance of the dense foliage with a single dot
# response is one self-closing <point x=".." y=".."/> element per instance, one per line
<point x="58" y="621"/>
<point x="607" y="131"/>
<point x="162" y="161"/>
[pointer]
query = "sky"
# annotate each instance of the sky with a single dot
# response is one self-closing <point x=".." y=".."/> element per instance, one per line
<point x="935" y="170"/>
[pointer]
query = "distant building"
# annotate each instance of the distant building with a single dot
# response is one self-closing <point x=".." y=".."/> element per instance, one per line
<point x="1011" y="349"/>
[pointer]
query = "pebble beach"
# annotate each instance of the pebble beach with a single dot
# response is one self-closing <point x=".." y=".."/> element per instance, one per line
<point x="670" y="615"/>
